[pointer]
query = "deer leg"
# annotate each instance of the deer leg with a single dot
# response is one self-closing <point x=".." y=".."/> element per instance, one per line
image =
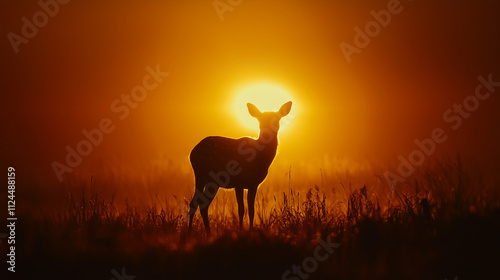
<point x="198" y="200"/>
<point x="208" y="194"/>
<point x="241" y="206"/>
<point x="250" y="201"/>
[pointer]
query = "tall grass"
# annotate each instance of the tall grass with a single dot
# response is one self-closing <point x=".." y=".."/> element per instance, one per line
<point x="385" y="233"/>
<point x="442" y="192"/>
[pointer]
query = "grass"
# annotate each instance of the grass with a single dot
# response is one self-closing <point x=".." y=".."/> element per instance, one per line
<point x="442" y="223"/>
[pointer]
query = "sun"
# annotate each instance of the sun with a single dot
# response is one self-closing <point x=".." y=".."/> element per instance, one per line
<point x="267" y="97"/>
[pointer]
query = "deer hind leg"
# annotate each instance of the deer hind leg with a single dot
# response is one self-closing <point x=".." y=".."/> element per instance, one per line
<point x="198" y="200"/>
<point x="208" y="194"/>
<point x="250" y="201"/>
<point x="241" y="206"/>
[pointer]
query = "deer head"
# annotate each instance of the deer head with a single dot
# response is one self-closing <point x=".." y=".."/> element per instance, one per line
<point x="269" y="122"/>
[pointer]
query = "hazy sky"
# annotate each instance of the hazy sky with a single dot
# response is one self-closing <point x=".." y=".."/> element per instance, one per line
<point x="67" y="76"/>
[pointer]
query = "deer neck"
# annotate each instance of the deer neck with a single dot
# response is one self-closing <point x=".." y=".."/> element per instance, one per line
<point x="268" y="140"/>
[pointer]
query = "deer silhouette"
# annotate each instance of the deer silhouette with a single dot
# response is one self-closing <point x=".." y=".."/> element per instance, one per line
<point x="235" y="163"/>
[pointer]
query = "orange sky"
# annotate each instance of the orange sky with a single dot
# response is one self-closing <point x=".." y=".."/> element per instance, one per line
<point x="66" y="77"/>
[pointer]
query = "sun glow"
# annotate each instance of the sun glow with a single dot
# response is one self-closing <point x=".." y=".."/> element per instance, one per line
<point x="267" y="97"/>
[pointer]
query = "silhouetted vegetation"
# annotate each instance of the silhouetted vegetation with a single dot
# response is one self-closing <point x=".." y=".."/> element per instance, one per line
<point x="444" y="225"/>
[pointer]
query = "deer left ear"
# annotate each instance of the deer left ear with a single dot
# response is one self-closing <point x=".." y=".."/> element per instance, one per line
<point x="254" y="112"/>
<point x="285" y="109"/>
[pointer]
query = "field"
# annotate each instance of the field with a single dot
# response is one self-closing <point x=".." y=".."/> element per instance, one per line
<point x="105" y="105"/>
<point x="441" y="223"/>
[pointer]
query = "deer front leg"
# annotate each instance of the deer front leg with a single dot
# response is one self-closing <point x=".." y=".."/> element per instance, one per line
<point x="250" y="201"/>
<point x="241" y="206"/>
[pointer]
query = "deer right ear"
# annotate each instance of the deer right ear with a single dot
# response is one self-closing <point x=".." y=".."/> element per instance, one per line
<point x="254" y="112"/>
<point x="285" y="109"/>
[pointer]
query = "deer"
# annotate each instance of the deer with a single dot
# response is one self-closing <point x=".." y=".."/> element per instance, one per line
<point x="242" y="164"/>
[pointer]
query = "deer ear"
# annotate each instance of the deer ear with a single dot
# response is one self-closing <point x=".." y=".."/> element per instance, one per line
<point x="254" y="112"/>
<point x="285" y="109"/>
